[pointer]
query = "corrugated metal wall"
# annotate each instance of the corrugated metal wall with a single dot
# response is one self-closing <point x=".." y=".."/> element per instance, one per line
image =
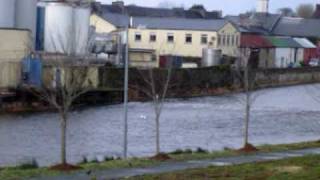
<point x="10" y="74"/>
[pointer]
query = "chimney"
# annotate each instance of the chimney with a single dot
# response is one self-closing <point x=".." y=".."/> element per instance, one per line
<point x="263" y="6"/>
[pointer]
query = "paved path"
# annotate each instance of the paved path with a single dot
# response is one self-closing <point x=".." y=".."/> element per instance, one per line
<point x="176" y="166"/>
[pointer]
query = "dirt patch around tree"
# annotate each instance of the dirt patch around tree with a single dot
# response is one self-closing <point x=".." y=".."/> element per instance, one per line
<point x="65" y="167"/>
<point x="248" y="148"/>
<point x="161" y="157"/>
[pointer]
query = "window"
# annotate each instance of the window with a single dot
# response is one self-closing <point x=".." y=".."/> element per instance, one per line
<point x="228" y="40"/>
<point x="219" y="40"/>
<point x="138" y="37"/>
<point x="237" y="40"/>
<point x="188" y="38"/>
<point x="204" y="39"/>
<point x="153" y="37"/>
<point x="232" y="40"/>
<point x="170" y="38"/>
<point x="223" y="40"/>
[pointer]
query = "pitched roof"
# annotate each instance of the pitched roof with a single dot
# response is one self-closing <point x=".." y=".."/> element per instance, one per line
<point x="178" y="23"/>
<point x="261" y="23"/>
<point x="299" y="27"/>
<point x="121" y="21"/>
<point x="117" y="20"/>
<point x="305" y="43"/>
<point x="283" y="42"/>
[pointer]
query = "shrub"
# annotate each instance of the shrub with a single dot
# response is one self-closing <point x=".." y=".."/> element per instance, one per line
<point x="200" y="150"/>
<point x="106" y="159"/>
<point x="32" y="165"/>
<point x="84" y="160"/>
<point x="178" y="151"/>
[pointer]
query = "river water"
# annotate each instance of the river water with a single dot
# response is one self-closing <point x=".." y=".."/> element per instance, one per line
<point x="280" y="115"/>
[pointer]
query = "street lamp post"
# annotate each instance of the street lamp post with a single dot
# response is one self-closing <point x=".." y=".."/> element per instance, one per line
<point x="126" y="81"/>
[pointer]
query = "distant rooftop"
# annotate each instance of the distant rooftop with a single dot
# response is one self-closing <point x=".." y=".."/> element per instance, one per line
<point x="195" y="12"/>
<point x="299" y="27"/>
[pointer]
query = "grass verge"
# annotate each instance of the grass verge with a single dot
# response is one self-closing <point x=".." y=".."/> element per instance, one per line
<point x="301" y="168"/>
<point x="24" y="172"/>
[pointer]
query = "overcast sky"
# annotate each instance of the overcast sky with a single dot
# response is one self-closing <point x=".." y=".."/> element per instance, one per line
<point x="227" y="6"/>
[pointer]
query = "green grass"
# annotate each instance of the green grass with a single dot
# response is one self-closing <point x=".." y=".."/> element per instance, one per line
<point x="25" y="171"/>
<point x="302" y="168"/>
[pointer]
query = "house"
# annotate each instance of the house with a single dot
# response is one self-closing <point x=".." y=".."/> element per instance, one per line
<point x="278" y="51"/>
<point x="185" y="37"/>
<point x="15" y="44"/>
<point x="287" y="52"/>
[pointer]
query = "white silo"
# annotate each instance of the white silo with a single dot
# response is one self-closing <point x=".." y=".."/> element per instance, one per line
<point x="7" y="13"/>
<point x="81" y="27"/>
<point x="26" y="15"/>
<point x="65" y="27"/>
<point x="58" y="31"/>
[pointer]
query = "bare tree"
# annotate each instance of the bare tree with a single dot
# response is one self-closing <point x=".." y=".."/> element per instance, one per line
<point x="247" y="76"/>
<point x="305" y="10"/>
<point x="67" y="74"/>
<point x="156" y="83"/>
<point x="61" y="85"/>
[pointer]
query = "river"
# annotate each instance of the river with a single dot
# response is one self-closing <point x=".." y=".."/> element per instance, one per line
<point x="280" y="115"/>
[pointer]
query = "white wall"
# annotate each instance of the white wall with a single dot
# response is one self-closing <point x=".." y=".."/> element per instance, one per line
<point x="285" y="56"/>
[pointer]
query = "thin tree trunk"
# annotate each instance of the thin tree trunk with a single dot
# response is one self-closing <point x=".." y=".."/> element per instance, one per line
<point x="247" y="108"/>
<point x="247" y="119"/>
<point x="63" y="138"/>
<point x="158" y="133"/>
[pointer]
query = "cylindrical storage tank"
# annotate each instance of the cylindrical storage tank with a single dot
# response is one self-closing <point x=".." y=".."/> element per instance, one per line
<point x="26" y="15"/>
<point x="211" y="57"/>
<point x="81" y="28"/>
<point x="58" y="28"/>
<point x="7" y="13"/>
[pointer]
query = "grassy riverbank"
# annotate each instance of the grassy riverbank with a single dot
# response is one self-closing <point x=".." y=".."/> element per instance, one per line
<point x="301" y="168"/>
<point x="27" y="171"/>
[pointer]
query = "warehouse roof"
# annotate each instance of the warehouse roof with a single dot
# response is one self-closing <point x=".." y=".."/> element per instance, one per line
<point x="178" y="23"/>
<point x="120" y="20"/>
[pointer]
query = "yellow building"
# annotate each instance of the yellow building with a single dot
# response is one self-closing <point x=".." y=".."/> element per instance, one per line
<point x="152" y="37"/>
<point x="14" y="44"/>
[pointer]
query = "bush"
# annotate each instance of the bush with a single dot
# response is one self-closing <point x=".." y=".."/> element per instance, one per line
<point x="106" y="159"/>
<point x="200" y="150"/>
<point x="178" y="151"/>
<point x="84" y="160"/>
<point x="188" y="151"/>
<point x="32" y="165"/>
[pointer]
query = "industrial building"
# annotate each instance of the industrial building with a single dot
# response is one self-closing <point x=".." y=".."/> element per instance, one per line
<point x="41" y="27"/>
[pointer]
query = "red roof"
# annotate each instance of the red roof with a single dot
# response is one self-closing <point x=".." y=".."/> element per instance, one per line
<point x="254" y="41"/>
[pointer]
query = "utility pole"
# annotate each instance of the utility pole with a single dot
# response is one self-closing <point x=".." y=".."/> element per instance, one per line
<point x="126" y="81"/>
